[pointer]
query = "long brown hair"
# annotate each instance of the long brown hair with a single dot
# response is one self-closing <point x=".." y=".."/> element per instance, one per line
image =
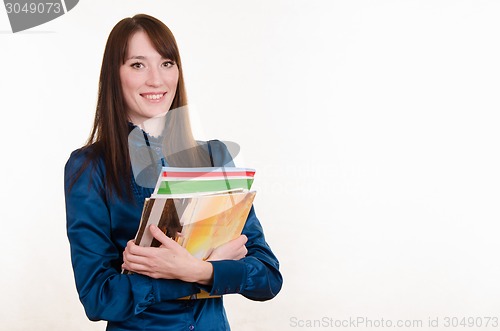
<point x="110" y="130"/>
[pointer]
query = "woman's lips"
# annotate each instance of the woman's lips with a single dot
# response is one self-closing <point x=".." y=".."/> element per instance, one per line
<point x="153" y="96"/>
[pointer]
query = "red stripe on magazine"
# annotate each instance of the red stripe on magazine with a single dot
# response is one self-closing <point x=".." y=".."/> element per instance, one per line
<point x="209" y="174"/>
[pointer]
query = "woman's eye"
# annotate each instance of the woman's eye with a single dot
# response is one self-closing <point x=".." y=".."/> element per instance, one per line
<point x="137" y="65"/>
<point x="168" y="64"/>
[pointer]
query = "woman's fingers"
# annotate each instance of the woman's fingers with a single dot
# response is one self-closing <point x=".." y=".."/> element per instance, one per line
<point x="242" y="239"/>
<point x="137" y="258"/>
<point x="232" y="250"/>
<point x="162" y="237"/>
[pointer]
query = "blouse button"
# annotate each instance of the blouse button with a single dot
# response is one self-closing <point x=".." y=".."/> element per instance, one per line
<point x="191" y="327"/>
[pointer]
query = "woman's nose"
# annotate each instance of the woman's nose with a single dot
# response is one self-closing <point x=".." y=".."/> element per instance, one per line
<point x="154" y="77"/>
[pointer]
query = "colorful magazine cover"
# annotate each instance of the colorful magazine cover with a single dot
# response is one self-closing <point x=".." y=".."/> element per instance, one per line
<point x="199" y="224"/>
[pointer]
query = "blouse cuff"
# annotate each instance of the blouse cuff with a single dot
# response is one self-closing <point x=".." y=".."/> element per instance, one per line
<point x="229" y="277"/>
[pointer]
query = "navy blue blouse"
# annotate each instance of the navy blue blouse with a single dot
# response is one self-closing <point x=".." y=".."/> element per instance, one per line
<point x="98" y="228"/>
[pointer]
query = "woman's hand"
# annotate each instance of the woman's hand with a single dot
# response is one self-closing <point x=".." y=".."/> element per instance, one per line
<point x="232" y="250"/>
<point x="169" y="261"/>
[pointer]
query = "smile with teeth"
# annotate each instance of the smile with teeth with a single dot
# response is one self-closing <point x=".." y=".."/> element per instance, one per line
<point x="153" y="96"/>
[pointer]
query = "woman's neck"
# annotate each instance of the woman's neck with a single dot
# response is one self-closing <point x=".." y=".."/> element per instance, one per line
<point x="153" y="126"/>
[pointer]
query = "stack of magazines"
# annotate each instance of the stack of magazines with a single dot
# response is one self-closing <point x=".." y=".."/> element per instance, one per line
<point x="200" y="208"/>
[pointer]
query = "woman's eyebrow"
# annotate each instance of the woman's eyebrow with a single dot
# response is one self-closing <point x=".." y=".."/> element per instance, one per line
<point x="137" y="57"/>
<point x="142" y="57"/>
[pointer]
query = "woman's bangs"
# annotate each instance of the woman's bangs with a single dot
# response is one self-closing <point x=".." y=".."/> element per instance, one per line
<point x="164" y="45"/>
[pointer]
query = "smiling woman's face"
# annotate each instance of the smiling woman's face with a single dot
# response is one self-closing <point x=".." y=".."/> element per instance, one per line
<point x="149" y="81"/>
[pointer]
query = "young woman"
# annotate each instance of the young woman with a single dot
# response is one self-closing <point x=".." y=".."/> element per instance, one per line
<point x="141" y="79"/>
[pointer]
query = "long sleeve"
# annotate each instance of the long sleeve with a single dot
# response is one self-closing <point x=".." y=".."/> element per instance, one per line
<point x="257" y="275"/>
<point x="94" y="223"/>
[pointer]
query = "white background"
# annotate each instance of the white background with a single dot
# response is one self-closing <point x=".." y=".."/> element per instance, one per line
<point x="373" y="126"/>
